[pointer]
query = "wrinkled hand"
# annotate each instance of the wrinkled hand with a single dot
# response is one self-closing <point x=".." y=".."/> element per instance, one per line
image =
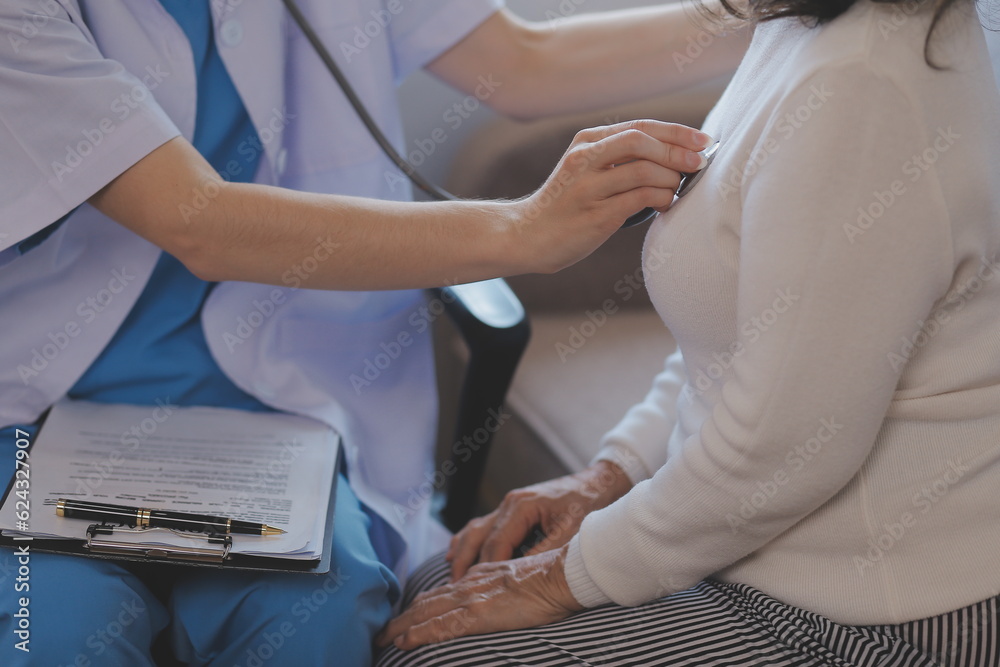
<point x="493" y="597"/>
<point x="557" y="506"/>
<point x="607" y="174"/>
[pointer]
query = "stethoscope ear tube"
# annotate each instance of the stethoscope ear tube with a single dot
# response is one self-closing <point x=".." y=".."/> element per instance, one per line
<point x="359" y="107"/>
<point x="645" y="215"/>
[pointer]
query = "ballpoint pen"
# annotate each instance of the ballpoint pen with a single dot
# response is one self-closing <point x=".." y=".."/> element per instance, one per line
<point x="150" y="518"/>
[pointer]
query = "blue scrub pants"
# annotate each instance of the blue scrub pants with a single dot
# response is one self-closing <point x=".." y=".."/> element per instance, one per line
<point x="93" y="613"/>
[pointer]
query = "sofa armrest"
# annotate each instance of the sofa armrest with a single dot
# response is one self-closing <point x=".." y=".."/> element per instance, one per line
<point x="495" y="330"/>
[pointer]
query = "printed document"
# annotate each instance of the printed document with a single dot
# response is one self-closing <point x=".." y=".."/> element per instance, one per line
<point x="265" y="467"/>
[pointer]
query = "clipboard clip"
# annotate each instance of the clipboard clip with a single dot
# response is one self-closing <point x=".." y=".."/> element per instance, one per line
<point x="100" y="540"/>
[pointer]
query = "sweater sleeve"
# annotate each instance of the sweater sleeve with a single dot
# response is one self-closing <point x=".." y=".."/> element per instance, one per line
<point x="820" y="372"/>
<point x="638" y="444"/>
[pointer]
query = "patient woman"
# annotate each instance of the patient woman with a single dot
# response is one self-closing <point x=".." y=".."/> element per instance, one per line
<point x="814" y="478"/>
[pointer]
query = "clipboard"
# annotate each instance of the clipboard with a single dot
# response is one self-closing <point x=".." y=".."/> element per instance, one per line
<point x="214" y="556"/>
<point x="101" y="542"/>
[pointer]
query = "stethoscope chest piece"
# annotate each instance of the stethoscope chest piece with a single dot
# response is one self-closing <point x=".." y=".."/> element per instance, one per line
<point x="688" y="181"/>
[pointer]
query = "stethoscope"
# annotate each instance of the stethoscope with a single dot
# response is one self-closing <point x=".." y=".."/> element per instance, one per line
<point x="688" y="180"/>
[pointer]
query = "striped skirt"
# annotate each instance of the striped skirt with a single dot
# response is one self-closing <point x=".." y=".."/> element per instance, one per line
<point x="713" y="624"/>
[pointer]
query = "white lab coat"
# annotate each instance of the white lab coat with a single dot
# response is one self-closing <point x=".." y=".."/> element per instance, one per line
<point x="89" y="87"/>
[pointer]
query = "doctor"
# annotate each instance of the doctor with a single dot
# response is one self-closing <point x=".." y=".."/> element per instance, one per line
<point x="183" y="187"/>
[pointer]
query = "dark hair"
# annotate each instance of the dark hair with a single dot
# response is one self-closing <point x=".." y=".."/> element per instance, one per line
<point x="822" y="11"/>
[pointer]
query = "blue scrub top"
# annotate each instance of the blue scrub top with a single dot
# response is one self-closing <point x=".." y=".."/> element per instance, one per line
<point x="160" y="350"/>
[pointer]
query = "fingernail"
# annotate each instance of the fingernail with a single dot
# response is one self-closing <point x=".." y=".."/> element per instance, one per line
<point x="704" y="139"/>
<point x="696" y="161"/>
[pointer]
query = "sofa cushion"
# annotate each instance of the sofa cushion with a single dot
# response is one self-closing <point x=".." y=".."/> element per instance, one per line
<point x="581" y="374"/>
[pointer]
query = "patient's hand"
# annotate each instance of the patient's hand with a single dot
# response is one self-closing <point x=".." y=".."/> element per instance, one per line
<point x="523" y="593"/>
<point x="557" y="506"/>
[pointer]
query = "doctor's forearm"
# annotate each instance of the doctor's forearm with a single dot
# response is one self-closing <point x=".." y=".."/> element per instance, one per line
<point x="257" y="233"/>
<point x="283" y="237"/>
<point x="592" y="60"/>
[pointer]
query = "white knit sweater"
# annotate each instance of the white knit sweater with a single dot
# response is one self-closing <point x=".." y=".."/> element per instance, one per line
<point x="831" y="435"/>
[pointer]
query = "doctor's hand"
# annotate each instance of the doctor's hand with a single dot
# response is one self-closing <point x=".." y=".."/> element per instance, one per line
<point x="492" y="597"/>
<point x="556" y="507"/>
<point x="607" y="174"/>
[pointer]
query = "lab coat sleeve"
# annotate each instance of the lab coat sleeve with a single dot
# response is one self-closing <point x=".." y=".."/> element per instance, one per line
<point x="71" y="120"/>
<point x="422" y="31"/>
